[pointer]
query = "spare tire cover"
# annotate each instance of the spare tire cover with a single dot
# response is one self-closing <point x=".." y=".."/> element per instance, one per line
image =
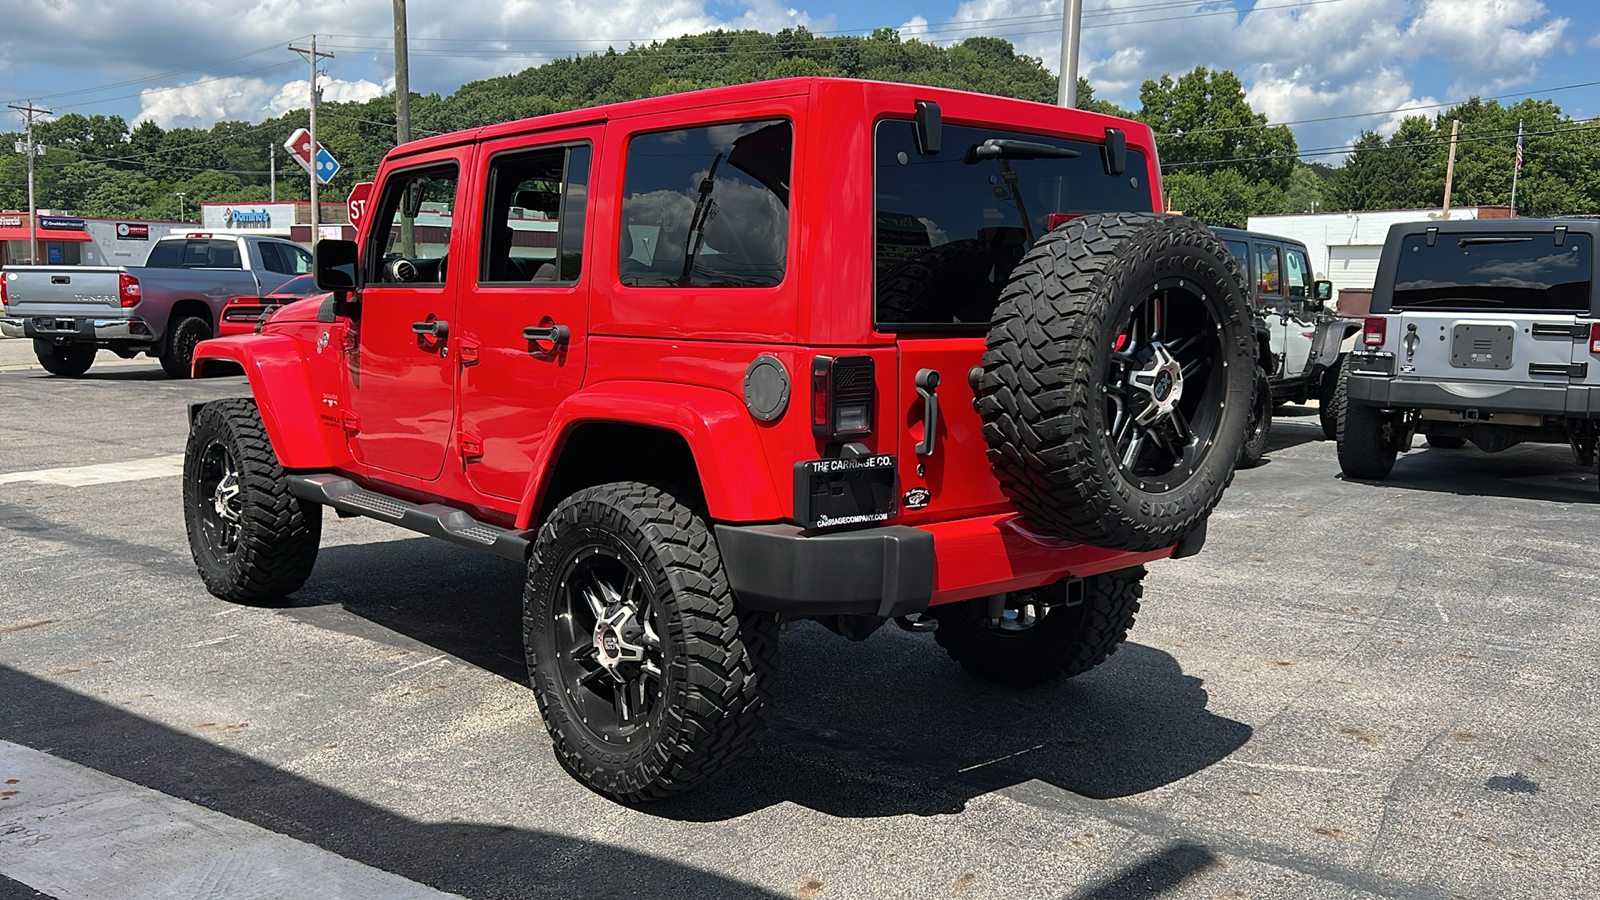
<point x="1117" y="379"/>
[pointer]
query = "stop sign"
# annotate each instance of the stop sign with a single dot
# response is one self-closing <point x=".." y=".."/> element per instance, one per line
<point x="358" y="203"/>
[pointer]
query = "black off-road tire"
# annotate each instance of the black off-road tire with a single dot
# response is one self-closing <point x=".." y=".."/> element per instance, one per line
<point x="1053" y="343"/>
<point x="275" y="535"/>
<point x="1065" y="640"/>
<point x="1364" y="452"/>
<point x="717" y="663"/>
<point x="1260" y="428"/>
<point x="66" y="360"/>
<point x="177" y="352"/>
<point x="1325" y="400"/>
<point x="1446" y="442"/>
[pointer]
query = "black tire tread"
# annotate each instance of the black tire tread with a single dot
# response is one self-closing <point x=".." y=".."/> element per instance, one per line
<point x="729" y="655"/>
<point x="280" y="534"/>
<point x="1325" y="404"/>
<point x="1039" y="374"/>
<point x="175" y="360"/>
<point x="1067" y="642"/>
<point x="1363" y="453"/>
<point x="1256" y="439"/>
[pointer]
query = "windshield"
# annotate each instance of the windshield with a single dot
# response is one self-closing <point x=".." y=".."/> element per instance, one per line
<point x="299" y="286"/>
<point x="1494" y="271"/>
<point x="950" y="227"/>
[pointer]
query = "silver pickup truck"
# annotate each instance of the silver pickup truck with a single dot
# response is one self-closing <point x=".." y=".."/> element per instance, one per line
<point x="162" y="309"/>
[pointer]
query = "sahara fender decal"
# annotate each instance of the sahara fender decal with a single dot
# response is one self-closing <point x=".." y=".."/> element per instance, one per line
<point x="723" y="439"/>
<point x="278" y="381"/>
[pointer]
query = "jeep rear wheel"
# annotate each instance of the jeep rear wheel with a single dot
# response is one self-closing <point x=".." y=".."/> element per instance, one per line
<point x="1325" y="400"/>
<point x="1041" y="634"/>
<point x="183" y="335"/>
<point x="1117" y="381"/>
<point x="1260" y="427"/>
<point x="1366" y="440"/>
<point x="252" y="540"/>
<point x="650" y="678"/>
<point x="66" y="360"/>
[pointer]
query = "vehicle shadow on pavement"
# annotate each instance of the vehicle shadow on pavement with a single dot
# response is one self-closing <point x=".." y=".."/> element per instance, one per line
<point x="888" y="726"/>
<point x="1544" y="472"/>
<point x="478" y="861"/>
<point x="892" y="727"/>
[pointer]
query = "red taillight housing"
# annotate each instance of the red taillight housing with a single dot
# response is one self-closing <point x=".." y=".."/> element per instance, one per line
<point x="1374" y="331"/>
<point x="842" y="392"/>
<point x="1594" y="336"/>
<point x="4" y="300"/>
<point x="128" y="290"/>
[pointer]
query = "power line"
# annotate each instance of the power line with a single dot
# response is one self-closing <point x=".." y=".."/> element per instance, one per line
<point x="1573" y="127"/>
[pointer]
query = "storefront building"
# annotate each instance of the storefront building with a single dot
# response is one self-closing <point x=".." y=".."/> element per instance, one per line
<point x="288" y="219"/>
<point x="79" y="241"/>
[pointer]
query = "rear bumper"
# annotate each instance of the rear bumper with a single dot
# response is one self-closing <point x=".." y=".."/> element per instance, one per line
<point x="1571" y="401"/>
<point x="74" y="329"/>
<point x="896" y="570"/>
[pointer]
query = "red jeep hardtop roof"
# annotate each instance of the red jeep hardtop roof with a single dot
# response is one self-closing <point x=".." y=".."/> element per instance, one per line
<point x="1020" y="113"/>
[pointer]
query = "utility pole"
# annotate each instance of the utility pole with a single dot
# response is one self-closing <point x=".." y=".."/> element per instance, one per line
<point x="1450" y="167"/>
<point x="1071" y="28"/>
<point x="402" y="75"/>
<point x="272" y="170"/>
<point x="311" y="56"/>
<point x="402" y="110"/>
<point x="33" y="216"/>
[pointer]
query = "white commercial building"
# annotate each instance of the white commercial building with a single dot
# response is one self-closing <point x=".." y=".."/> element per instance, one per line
<point x="1345" y="246"/>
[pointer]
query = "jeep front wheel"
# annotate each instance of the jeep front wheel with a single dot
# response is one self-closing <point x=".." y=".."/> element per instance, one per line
<point x="1117" y="379"/>
<point x="66" y="360"/>
<point x="650" y="678"/>
<point x="1038" y="635"/>
<point x="252" y="540"/>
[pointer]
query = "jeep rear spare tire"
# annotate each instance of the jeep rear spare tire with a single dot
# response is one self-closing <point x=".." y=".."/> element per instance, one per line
<point x="1117" y="381"/>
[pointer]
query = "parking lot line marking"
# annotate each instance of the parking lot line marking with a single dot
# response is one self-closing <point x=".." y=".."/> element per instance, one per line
<point x="414" y="666"/>
<point x="103" y="473"/>
<point x="71" y="831"/>
<point x="1299" y="770"/>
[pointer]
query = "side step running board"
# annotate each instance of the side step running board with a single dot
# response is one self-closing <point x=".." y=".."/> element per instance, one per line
<point x="433" y="519"/>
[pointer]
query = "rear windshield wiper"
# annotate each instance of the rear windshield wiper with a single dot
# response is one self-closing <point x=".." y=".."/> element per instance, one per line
<point x="1006" y="148"/>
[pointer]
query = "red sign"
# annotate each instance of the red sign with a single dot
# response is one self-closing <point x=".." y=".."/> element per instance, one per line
<point x="129" y="231"/>
<point x="358" y="202"/>
<point x="299" y="146"/>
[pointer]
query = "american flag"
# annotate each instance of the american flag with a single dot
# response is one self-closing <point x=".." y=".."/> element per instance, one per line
<point x="1519" y="149"/>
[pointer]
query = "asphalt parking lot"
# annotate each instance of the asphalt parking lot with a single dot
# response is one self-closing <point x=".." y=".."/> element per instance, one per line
<point x="1357" y="690"/>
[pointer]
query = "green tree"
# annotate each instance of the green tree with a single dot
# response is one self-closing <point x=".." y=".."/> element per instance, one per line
<point x="1203" y="122"/>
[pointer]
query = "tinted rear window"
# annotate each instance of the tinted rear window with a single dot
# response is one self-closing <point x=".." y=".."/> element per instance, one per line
<point x="950" y="231"/>
<point x="1494" y="271"/>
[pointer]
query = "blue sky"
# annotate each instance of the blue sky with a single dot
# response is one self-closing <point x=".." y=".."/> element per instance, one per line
<point x="1348" y="64"/>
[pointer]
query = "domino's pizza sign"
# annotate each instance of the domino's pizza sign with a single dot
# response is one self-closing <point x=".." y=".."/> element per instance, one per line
<point x="246" y="218"/>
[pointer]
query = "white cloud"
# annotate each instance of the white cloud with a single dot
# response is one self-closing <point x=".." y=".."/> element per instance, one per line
<point x="201" y="103"/>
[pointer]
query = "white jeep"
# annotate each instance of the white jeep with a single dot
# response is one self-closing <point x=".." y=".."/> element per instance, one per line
<point x="1484" y="331"/>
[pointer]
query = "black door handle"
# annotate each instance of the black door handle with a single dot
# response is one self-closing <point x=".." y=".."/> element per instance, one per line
<point x="927" y="382"/>
<point x="555" y="335"/>
<point x="438" y="329"/>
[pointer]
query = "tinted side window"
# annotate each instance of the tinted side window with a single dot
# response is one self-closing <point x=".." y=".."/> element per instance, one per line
<point x="298" y="258"/>
<point x="410" y="236"/>
<point x="1297" y="273"/>
<point x="1241" y="253"/>
<point x="707" y="207"/>
<point x="269" y="259"/>
<point x="1269" y="279"/>
<point x="535" y="216"/>
<point x="223" y="255"/>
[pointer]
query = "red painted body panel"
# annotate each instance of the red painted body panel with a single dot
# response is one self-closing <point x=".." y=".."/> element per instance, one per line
<point x="301" y="416"/>
<point x="670" y="358"/>
<point x="720" y="433"/>
<point x="993" y="554"/>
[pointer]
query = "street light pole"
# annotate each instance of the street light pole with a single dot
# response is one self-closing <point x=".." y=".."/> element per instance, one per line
<point x="180" y="195"/>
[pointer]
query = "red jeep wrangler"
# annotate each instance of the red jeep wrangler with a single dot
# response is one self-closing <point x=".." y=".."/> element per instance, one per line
<point x="811" y="348"/>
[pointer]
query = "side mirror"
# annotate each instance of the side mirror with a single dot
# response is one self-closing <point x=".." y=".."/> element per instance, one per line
<point x="336" y="268"/>
<point x="1322" y="291"/>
